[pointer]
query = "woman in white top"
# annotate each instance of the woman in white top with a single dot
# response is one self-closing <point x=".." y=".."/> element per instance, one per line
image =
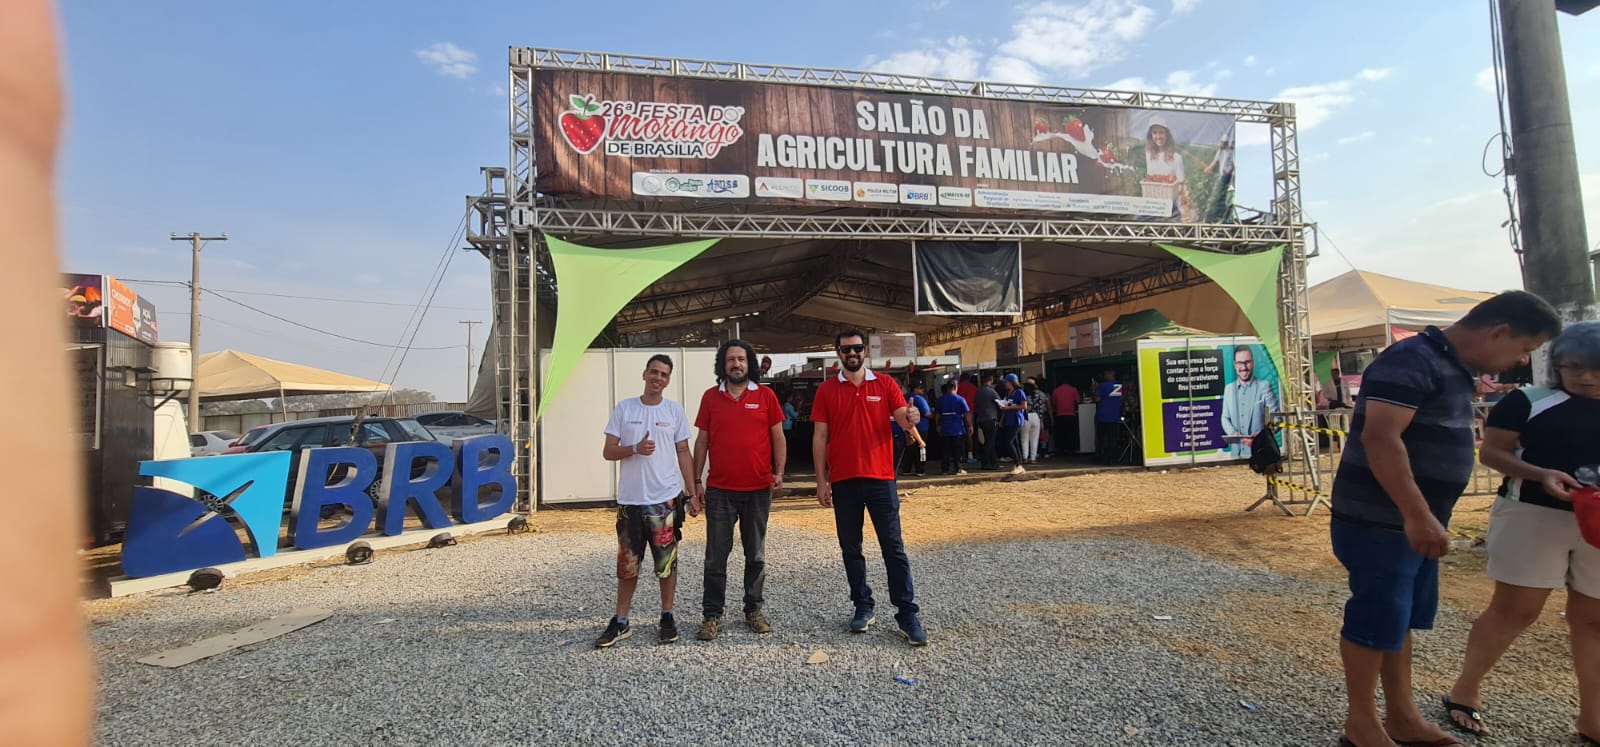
<point x="1163" y="162"/>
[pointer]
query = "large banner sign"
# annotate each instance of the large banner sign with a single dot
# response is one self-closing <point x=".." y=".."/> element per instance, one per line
<point x="630" y="136"/>
<point x="103" y="301"/>
<point x="1202" y="399"/>
<point x="241" y="499"/>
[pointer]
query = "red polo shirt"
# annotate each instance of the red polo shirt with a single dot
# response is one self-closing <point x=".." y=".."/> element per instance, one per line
<point x="860" y="443"/>
<point x="739" y="436"/>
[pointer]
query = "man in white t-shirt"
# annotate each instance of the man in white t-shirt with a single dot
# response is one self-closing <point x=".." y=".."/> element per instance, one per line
<point x="649" y="435"/>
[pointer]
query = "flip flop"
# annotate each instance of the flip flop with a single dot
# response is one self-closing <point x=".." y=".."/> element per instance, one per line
<point x="1441" y="742"/>
<point x="1451" y="708"/>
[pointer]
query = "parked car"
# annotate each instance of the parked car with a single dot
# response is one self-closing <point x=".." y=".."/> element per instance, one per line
<point x="242" y="444"/>
<point x="209" y="443"/>
<point x="453" y="424"/>
<point x="374" y="433"/>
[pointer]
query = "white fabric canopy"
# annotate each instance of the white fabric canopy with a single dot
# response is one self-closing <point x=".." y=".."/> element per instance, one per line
<point x="230" y="374"/>
<point x="1362" y="309"/>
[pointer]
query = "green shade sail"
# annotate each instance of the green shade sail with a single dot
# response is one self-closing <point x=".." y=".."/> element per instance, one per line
<point x="1251" y="280"/>
<point x="594" y="285"/>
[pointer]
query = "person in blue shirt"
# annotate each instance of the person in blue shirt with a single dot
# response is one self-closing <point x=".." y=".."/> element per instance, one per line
<point x="1107" y="417"/>
<point x="1013" y="414"/>
<point x="918" y="401"/>
<point x="955" y="422"/>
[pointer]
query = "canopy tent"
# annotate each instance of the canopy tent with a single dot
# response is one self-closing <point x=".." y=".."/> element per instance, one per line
<point x="230" y="375"/>
<point x="1129" y="329"/>
<point x="1361" y="309"/>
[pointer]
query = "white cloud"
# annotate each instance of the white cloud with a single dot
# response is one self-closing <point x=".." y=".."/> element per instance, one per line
<point x="1485" y="80"/>
<point x="1315" y="157"/>
<point x="1373" y="75"/>
<point x="1179" y="7"/>
<point x="497" y="91"/>
<point x="1181" y="82"/>
<point x="1012" y="70"/>
<point x="1315" y="104"/>
<point x="1250" y="61"/>
<point x="366" y="279"/>
<point x="1270" y="71"/>
<point x="449" y="59"/>
<point x="1224" y="74"/>
<point x="1076" y="39"/>
<point x="1348" y="139"/>
<point x="953" y="58"/>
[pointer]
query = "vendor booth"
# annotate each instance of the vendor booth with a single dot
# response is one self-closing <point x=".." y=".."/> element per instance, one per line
<point x="672" y="202"/>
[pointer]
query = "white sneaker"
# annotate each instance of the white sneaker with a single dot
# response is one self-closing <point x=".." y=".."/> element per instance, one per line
<point x="1017" y="470"/>
<point x="961" y="472"/>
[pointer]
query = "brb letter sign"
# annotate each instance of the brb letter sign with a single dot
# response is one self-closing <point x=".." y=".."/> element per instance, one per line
<point x="169" y="532"/>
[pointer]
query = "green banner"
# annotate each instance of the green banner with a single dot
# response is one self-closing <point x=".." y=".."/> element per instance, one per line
<point x="1251" y="280"/>
<point x="594" y="285"/>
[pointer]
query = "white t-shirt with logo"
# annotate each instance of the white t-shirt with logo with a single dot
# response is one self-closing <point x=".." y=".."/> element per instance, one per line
<point x="646" y="480"/>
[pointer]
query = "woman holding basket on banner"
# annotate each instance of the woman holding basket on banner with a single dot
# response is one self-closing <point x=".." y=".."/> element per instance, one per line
<point x="1164" y="175"/>
<point x="1539" y="438"/>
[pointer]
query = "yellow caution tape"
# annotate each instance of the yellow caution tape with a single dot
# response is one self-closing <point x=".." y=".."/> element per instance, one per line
<point x="1301" y="488"/>
<point x="1313" y="429"/>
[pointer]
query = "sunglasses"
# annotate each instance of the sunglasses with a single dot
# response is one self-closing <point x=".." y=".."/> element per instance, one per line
<point x="852" y="348"/>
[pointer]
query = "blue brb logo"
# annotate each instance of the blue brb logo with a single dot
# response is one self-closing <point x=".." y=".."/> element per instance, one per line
<point x="169" y="532"/>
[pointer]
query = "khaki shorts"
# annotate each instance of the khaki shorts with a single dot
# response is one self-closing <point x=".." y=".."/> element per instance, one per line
<point x="1540" y="548"/>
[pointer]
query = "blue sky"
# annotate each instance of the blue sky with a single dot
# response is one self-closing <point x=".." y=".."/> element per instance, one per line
<point x="335" y="142"/>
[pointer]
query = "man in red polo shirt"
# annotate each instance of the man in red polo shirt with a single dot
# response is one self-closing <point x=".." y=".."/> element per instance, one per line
<point x="741" y="430"/>
<point x="854" y="452"/>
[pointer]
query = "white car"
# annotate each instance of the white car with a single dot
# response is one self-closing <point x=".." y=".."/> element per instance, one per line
<point x="208" y="443"/>
<point x="454" y="424"/>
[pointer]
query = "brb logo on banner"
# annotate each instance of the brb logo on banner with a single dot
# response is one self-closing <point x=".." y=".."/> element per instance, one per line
<point x="169" y="532"/>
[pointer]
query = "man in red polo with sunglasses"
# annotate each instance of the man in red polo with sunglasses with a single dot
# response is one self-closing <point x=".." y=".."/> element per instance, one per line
<point x="854" y="452"/>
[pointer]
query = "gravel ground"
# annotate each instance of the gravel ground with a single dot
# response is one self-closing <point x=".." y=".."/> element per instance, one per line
<point x="1049" y="641"/>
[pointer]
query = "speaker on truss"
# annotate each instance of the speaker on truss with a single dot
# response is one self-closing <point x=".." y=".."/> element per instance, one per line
<point x="967" y="278"/>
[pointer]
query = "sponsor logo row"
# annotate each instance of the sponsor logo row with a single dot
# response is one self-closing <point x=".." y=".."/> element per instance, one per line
<point x="741" y="186"/>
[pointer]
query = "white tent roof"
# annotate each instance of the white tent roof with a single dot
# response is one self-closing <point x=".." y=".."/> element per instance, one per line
<point x="1358" y="307"/>
<point x="230" y="374"/>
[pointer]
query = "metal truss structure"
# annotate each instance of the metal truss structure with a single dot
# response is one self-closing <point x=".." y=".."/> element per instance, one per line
<point x="511" y="221"/>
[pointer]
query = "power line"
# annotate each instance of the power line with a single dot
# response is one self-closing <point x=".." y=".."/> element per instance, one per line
<point x="1324" y="234"/>
<point x="181" y="284"/>
<point x="440" y="270"/>
<point x="311" y="328"/>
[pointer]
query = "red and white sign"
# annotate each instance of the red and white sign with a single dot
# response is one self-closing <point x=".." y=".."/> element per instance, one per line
<point x="650" y="129"/>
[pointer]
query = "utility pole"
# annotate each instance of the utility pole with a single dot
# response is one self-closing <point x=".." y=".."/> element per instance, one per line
<point x="196" y="241"/>
<point x="469" y="357"/>
<point x="1549" y="203"/>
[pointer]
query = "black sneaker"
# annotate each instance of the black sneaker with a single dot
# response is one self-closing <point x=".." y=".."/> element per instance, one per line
<point x="911" y="630"/>
<point x="669" y="629"/>
<point x="615" y="631"/>
<point x="862" y="621"/>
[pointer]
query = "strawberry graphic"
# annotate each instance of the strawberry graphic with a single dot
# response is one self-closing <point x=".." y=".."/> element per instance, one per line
<point x="1039" y="127"/>
<point x="582" y="126"/>
<point x="1073" y="127"/>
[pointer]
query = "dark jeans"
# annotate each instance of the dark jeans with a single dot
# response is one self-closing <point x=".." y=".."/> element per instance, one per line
<point x="880" y="499"/>
<point x="986" y="453"/>
<point x="1011" y="442"/>
<point x="1066" y="435"/>
<point x="954" y="448"/>
<point x="749" y="510"/>
<point x="1107" y="436"/>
